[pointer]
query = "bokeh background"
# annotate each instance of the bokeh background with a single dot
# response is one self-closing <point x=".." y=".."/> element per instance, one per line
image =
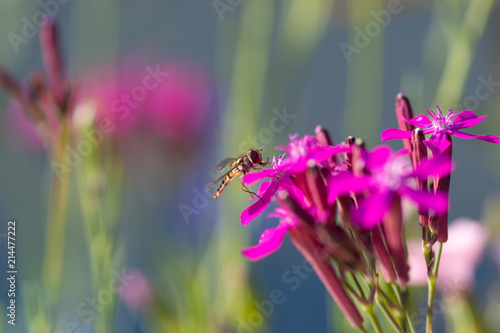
<point x="241" y="74"/>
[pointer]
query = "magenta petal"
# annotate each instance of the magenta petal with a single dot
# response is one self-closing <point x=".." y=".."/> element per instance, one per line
<point x="372" y="209"/>
<point x="344" y="183"/>
<point x="269" y="242"/>
<point x="378" y="156"/>
<point x="254" y="210"/>
<point x="438" y="142"/>
<point x="466" y="119"/>
<point x="487" y="138"/>
<point x="262" y="189"/>
<point x="441" y="165"/>
<point x="394" y="134"/>
<point x="437" y="202"/>
<point x="419" y="121"/>
<point x="253" y="177"/>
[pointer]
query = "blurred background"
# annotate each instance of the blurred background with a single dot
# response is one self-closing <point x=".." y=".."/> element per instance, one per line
<point x="115" y="231"/>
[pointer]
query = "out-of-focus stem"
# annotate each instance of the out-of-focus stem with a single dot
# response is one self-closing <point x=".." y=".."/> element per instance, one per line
<point x="373" y="318"/>
<point x="56" y="224"/>
<point x="388" y="315"/>
<point x="431" y="279"/>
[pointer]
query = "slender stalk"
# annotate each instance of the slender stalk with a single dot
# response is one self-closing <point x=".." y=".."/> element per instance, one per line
<point x="387" y="299"/>
<point x="389" y="316"/>
<point x="402" y="297"/>
<point x="410" y="323"/>
<point x="432" y="278"/>
<point x="56" y="224"/>
<point x="358" y="285"/>
<point x="373" y="318"/>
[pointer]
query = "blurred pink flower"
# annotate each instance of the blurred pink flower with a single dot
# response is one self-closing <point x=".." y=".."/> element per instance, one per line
<point x="459" y="259"/>
<point x="113" y="94"/>
<point x="136" y="294"/>
<point x="179" y="104"/>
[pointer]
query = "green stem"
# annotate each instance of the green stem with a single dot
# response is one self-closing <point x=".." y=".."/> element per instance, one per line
<point x="373" y="318"/>
<point x="56" y="224"/>
<point x="98" y="230"/>
<point x="410" y="323"/>
<point x="431" y="279"/>
<point x="389" y="316"/>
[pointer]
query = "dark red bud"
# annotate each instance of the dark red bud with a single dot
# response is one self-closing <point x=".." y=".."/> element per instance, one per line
<point x="403" y="109"/>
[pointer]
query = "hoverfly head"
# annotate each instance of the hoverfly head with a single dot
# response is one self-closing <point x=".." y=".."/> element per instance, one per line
<point x="254" y="155"/>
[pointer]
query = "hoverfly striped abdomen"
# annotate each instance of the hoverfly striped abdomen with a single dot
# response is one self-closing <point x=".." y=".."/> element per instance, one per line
<point x="240" y="165"/>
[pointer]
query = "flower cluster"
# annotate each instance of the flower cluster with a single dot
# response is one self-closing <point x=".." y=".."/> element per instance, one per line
<point x="315" y="178"/>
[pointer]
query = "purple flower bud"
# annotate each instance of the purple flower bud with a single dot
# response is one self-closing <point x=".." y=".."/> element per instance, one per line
<point x="404" y="111"/>
<point x="358" y="164"/>
<point x="317" y="189"/>
<point x="51" y="54"/>
<point x="345" y="203"/>
<point x="348" y="155"/>
<point x="325" y="139"/>
<point x="384" y="259"/>
<point x="323" y="136"/>
<point x="442" y="185"/>
<point x="393" y="231"/>
<point x="418" y="153"/>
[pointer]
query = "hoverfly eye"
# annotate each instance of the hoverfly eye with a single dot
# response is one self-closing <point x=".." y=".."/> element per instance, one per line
<point x="255" y="156"/>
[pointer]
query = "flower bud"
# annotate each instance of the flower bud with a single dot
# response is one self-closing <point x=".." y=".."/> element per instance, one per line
<point x="51" y="54"/>
<point x="404" y="111"/>
<point x="442" y="184"/>
<point x="317" y="189"/>
<point x="382" y="254"/>
<point x="418" y="153"/>
<point x="348" y="155"/>
<point x="393" y="231"/>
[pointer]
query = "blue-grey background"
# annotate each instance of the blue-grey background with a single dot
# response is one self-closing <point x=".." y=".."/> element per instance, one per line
<point x="408" y="56"/>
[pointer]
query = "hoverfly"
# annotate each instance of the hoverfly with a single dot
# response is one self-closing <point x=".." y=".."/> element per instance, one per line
<point x="240" y="165"/>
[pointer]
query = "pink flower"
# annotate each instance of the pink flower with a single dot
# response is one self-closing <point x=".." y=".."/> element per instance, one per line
<point x="440" y="127"/>
<point x="137" y="293"/>
<point x="280" y="180"/>
<point x="295" y="219"/>
<point x="272" y="238"/>
<point x="308" y="149"/>
<point x="112" y="94"/>
<point x="179" y="105"/>
<point x="389" y="176"/>
<point x="459" y="258"/>
<point x="303" y="151"/>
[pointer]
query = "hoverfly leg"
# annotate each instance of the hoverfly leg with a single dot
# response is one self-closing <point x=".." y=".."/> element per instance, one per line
<point x="245" y="189"/>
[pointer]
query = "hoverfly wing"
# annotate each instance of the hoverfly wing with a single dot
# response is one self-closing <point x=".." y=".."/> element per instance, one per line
<point x="216" y="182"/>
<point x="225" y="163"/>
